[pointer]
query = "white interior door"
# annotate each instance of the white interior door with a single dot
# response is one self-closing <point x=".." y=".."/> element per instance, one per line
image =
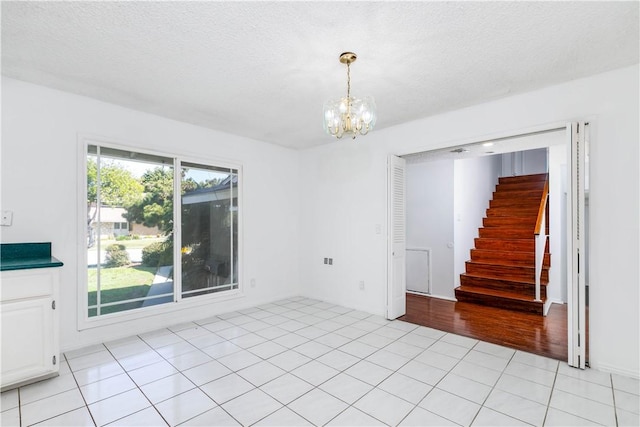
<point x="576" y="239"/>
<point x="396" y="278"/>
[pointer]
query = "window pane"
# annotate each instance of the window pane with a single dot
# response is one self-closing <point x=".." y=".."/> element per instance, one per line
<point x="209" y="229"/>
<point x="128" y="270"/>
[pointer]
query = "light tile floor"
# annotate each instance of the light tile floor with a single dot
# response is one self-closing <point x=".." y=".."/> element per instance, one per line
<point x="305" y="362"/>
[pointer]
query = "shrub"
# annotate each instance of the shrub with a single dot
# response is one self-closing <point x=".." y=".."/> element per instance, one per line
<point x="157" y="254"/>
<point x="117" y="256"/>
<point x="124" y="237"/>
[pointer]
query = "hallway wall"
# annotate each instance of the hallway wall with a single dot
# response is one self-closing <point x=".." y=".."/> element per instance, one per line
<point x="475" y="181"/>
<point x="430" y="200"/>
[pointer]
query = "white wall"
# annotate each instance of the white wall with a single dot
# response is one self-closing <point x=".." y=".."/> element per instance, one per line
<point x="557" y="289"/>
<point x="40" y="130"/>
<point x="475" y="181"/>
<point x="526" y="162"/>
<point x="429" y="197"/>
<point x="353" y="178"/>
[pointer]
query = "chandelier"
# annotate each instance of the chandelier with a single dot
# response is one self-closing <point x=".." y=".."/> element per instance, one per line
<point x="349" y="116"/>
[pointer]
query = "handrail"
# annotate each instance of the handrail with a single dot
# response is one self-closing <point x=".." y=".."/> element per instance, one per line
<point x="540" y="237"/>
<point x="542" y="208"/>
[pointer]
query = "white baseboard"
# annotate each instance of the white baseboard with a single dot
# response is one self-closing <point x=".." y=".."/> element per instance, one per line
<point x="615" y="370"/>
<point x="443" y="297"/>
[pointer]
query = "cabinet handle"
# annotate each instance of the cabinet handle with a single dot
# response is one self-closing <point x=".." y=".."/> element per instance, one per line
<point x="54" y="360"/>
<point x="53" y="304"/>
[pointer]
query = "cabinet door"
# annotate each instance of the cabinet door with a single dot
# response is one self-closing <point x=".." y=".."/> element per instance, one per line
<point x="27" y="339"/>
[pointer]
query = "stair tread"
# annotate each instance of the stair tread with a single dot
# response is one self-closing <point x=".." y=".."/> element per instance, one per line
<point x="523" y="178"/>
<point x="521" y="186"/>
<point x="499" y="232"/>
<point x="500" y="294"/>
<point x="510" y="213"/>
<point x="504" y="256"/>
<point x="506" y="263"/>
<point x="523" y="226"/>
<point x="504" y="279"/>
<point x="497" y="251"/>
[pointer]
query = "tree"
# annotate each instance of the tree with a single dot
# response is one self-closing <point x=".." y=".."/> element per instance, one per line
<point x="155" y="208"/>
<point x="118" y="188"/>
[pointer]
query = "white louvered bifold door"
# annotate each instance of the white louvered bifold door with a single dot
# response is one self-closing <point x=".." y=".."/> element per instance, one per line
<point x="396" y="279"/>
<point x="576" y="289"/>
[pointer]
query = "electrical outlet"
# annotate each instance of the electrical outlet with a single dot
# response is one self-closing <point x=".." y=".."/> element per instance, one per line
<point x="7" y="218"/>
<point x="361" y="284"/>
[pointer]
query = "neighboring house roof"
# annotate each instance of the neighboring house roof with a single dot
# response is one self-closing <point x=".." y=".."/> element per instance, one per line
<point x="221" y="191"/>
<point x="108" y="214"/>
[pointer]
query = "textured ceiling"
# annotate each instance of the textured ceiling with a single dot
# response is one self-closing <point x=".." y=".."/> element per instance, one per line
<point x="264" y="69"/>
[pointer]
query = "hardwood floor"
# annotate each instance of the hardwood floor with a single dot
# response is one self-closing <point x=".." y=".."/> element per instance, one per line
<point x="545" y="336"/>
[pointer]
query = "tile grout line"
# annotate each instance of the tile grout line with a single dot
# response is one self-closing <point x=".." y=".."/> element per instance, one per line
<point x="332" y="330"/>
<point x="553" y="388"/>
<point x="19" y="407"/>
<point x="86" y="405"/>
<point x="615" y="408"/>
<point x="180" y="371"/>
<point x="136" y="384"/>
<point x="492" y="389"/>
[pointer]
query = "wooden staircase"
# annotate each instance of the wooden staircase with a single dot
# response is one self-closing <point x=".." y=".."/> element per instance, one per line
<point x="501" y="272"/>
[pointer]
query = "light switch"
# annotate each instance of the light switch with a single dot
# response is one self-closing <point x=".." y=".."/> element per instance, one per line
<point x="7" y="218"/>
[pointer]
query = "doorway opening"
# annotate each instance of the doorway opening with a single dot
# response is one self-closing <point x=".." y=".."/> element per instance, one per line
<point x="447" y="195"/>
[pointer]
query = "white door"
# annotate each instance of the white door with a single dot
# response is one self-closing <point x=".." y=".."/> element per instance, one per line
<point x="396" y="278"/>
<point x="576" y="239"/>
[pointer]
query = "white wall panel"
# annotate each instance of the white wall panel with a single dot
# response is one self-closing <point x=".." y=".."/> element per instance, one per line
<point x="353" y="176"/>
<point x="40" y="129"/>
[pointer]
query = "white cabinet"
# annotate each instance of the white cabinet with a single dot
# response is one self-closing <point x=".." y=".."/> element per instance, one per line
<point x="30" y="343"/>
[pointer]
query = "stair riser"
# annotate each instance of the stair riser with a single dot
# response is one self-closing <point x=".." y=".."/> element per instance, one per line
<point x="527" y="194"/>
<point x="517" y="245"/>
<point x="491" y="301"/>
<point x="506" y="272"/>
<point x="508" y="257"/>
<point x="509" y="221"/>
<point x="527" y="212"/>
<point x="522" y="288"/>
<point x="506" y="233"/>
<point x="515" y="202"/>
<point x="521" y="186"/>
<point x="522" y="178"/>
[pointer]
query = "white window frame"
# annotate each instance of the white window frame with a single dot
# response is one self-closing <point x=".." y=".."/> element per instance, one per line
<point x="179" y="304"/>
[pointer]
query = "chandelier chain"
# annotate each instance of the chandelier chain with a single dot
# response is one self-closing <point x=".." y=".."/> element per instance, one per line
<point x="348" y="80"/>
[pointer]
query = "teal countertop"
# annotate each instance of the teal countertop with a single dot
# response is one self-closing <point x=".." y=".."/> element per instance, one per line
<point x="24" y="256"/>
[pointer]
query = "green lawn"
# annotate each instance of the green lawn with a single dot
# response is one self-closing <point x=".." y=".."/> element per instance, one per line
<point x="120" y="284"/>
<point x="129" y="244"/>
